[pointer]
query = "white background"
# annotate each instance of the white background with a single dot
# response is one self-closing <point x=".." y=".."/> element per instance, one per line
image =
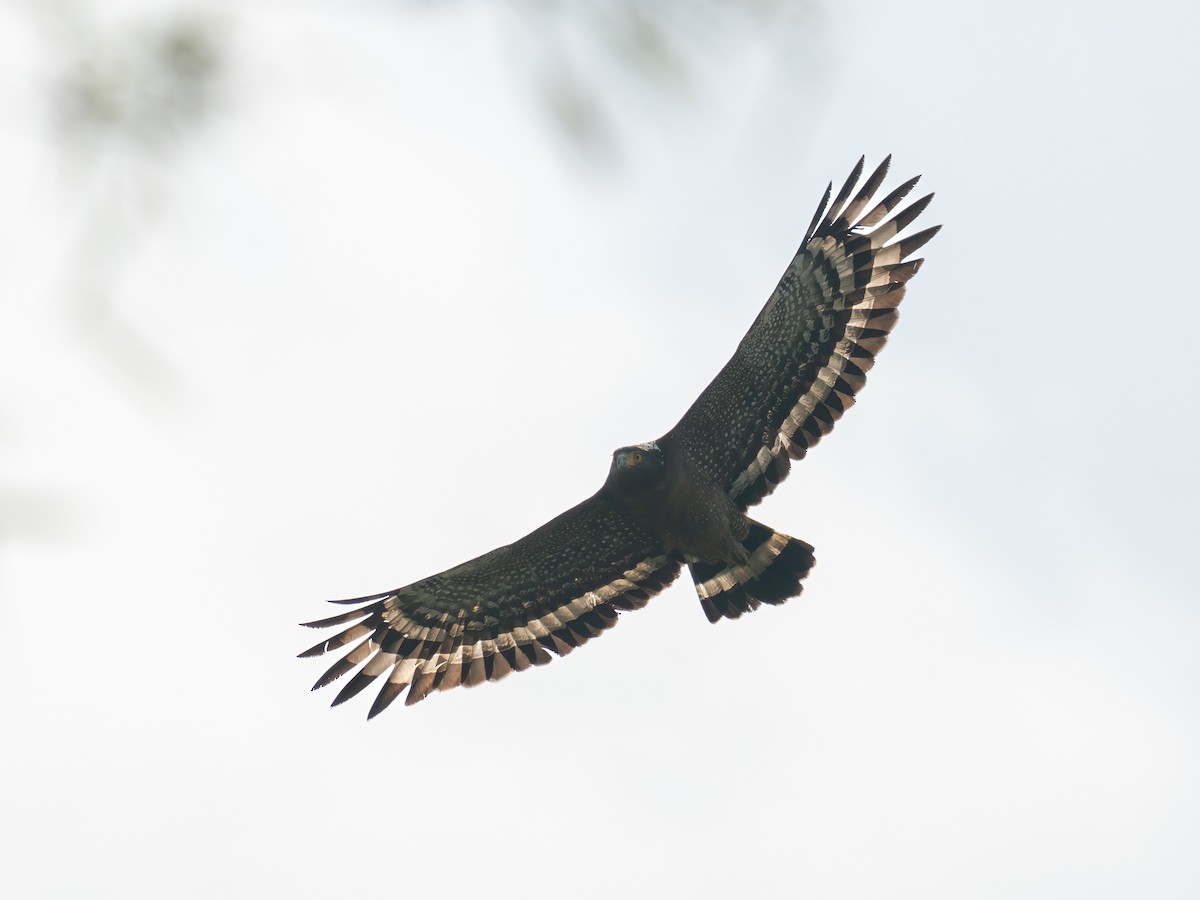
<point x="380" y="316"/>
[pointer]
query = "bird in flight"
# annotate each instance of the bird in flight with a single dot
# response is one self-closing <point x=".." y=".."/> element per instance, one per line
<point x="675" y="501"/>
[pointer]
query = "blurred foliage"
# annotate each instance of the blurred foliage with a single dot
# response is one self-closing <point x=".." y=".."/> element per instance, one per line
<point x="155" y="81"/>
<point x="122" y="92"/>
<point x="594" y="59"/>
<point x="131" y="86"/>
<point x="152" y="83"/>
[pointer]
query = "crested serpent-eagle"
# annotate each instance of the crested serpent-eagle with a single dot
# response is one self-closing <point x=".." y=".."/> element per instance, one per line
<point x="679" y="500"/>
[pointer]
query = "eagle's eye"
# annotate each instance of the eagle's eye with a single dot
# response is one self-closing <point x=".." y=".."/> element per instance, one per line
<point x="633" y="457"/>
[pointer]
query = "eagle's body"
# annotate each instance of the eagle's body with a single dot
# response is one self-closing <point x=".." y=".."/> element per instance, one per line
<point x="680" y="500"/>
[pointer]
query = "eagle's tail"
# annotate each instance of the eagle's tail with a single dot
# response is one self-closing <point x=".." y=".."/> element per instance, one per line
<point x="772" y="574"/>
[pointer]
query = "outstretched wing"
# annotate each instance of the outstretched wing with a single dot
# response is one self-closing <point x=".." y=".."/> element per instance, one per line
<point x="807" y="354"/>
<point x="550" y="591"/>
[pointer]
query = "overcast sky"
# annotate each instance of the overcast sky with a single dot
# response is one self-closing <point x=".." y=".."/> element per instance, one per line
<point x="379" y="313"/>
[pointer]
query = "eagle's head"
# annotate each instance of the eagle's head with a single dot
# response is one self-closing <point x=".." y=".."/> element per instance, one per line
<point x="637" y="468"/>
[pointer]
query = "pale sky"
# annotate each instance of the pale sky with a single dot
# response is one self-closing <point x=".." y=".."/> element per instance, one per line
<point x="378" y="316"/>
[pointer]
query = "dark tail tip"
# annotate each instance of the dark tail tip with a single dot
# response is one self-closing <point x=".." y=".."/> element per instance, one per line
<point x="771" y="575"/>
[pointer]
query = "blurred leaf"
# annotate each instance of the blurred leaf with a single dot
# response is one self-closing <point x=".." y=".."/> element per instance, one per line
<point x="641" y="57"/>
<point x="151" y="84"/>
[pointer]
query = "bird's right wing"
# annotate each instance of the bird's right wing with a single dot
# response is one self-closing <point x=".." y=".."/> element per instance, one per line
<point x="550" y="591"/>
<point x="806" y="356"/>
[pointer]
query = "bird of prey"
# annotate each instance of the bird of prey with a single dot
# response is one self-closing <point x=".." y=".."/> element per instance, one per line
<point x="675" y="501"/>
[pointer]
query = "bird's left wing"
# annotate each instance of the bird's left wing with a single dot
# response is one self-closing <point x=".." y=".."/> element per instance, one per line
<point x="550" y="591"/>
<point x="807" y="354"/>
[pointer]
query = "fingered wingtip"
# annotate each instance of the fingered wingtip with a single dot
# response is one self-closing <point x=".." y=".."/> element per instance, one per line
<point x="315" y="650"/>
<point x="351" y="600"/>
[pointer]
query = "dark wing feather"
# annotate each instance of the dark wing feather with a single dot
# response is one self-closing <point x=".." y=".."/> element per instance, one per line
<point x="807" y="354"/>
<point x="550" y="591"/>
